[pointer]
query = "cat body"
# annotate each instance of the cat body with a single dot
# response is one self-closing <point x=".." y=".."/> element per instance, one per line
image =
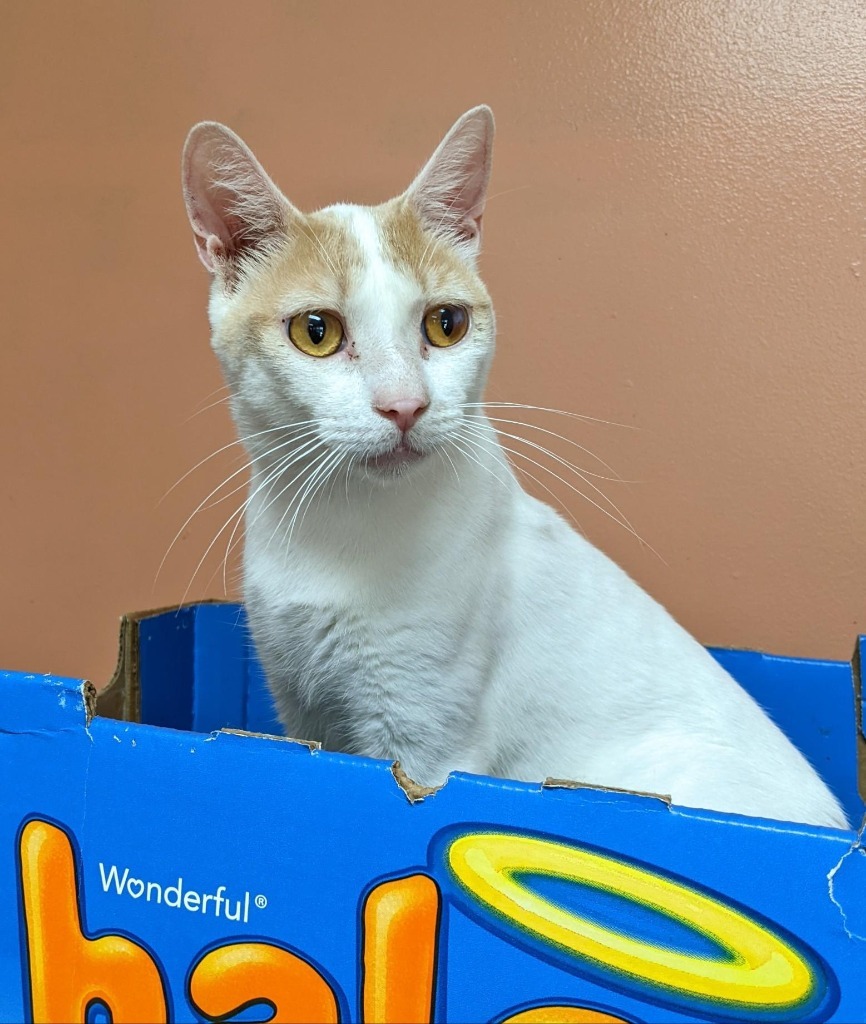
<point x="407" y="598"/>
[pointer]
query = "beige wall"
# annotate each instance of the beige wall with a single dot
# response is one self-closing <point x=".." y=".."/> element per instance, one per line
<point x="676" y="243"/>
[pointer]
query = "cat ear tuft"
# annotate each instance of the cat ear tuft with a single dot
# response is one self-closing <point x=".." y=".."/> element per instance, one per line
<point x="232" y="204"/>
<point x="450" y="191"/>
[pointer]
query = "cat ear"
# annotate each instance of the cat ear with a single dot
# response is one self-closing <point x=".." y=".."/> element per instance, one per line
<point x="450" y="191"/>
<point x="232" y="204"/>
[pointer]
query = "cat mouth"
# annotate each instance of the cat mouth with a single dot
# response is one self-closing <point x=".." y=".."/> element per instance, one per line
<point x="401" y="455"/>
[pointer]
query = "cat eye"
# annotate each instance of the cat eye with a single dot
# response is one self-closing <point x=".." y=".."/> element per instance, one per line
<point x="445" y="325"/>
<point x="316" y="333"/>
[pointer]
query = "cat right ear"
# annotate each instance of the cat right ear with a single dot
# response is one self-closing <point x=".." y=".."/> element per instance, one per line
<point x="450" y="192"/>
<point x="232" y="204"/>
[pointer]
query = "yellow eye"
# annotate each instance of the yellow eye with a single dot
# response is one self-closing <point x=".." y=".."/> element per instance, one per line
<point x="316" y="333"/>
<point x="445" y="325"/>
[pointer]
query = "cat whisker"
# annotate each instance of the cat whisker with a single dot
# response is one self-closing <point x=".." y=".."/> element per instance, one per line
<point x="204" y="504"/>
<point x="237" y="516"/>
<point x="467" y="453"/>
<point x="316" y="471"/>
<point x="208" y="550"/>
<point x="568" y="465"/>
<point x="483" y="436"/>
<point x="616" y="478"/>
<point x="623" y="523"/>
<point x="282" y="465"/>
<point x="349" y="465"/>
<point x="212" y="405"/>
<point x="198" y="410"/>
<point x="446" y="454"/>
<point x="496" y="448"/>
<point x="333" y="481"/>
<point x="292" y="441"/>
<point x="231" y="444"/>
<point x="542" y="408"/>
<point x="216" y="391"/>
<point x="270" y="479"/>
<point x="275" y="475"/>
<point x="311" y="468"/>
<point x="325" y="471"/>
<point x="240" y="516"/>
<point x="508" y="191"/>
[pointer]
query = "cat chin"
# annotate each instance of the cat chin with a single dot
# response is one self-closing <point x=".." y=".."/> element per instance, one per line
<point x="393" y="464"/>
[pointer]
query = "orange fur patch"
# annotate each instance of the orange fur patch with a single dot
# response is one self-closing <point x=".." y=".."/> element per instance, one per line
<point x="316" y="265"/>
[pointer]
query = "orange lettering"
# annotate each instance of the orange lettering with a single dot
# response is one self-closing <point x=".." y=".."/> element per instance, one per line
<point x="401" y="920"/>
<point x="563" y="1015"/>
<point x="232" y="978"/>
<point x="69" y="972"/>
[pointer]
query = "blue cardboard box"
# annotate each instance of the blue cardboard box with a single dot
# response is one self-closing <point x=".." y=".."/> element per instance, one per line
<point x="185" y="865"/>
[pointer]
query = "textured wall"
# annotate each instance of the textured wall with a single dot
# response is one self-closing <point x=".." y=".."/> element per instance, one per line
<point x="675" y="243"/>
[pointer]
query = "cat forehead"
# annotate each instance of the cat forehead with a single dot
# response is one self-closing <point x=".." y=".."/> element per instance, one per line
<point x="344" y="251"/>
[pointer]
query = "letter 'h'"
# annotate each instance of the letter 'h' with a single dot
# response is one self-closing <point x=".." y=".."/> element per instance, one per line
<point x="69" y="972"/>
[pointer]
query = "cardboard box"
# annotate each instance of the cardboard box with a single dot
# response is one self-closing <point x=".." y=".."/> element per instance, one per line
<point x="175" y="869"/>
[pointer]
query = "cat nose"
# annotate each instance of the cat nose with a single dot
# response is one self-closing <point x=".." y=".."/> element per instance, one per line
<point x="405" y="412"/>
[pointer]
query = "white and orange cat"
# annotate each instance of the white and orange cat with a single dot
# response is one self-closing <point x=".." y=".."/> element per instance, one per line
<point x="407" y="598"/>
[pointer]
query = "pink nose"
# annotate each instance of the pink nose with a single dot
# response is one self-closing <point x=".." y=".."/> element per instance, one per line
<point x="405" y="412"/>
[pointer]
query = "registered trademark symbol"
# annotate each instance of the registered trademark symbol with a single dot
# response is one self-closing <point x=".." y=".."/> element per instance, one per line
<point x="261" y="902"/>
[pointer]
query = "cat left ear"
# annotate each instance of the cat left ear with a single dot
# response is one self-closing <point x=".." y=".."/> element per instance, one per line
<point x="232" y="204"/>
<point x="450" y="192"/>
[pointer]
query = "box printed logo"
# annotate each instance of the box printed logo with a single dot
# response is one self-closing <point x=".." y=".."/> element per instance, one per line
<point x="757" y="974"/>
<point x="122" y="883"/>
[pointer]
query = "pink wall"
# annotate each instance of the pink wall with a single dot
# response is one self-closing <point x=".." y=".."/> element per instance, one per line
<point x="675" y="243"/>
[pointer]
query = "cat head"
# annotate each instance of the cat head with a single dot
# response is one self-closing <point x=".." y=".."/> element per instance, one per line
<point x="366" y="328"/>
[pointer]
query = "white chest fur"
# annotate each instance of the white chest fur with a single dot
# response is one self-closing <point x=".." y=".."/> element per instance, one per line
<point x="381" y="620"/>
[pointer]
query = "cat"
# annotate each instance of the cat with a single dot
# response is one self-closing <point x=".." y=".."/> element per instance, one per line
<point x="408" y="600"/>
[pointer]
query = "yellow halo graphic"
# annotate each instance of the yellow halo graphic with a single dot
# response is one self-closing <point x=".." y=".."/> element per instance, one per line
<point x="762" y="971"/>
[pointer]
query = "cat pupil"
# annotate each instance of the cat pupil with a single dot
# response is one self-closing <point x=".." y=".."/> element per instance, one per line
<point x="445" y="322"/>
<point x="316" y="329"/>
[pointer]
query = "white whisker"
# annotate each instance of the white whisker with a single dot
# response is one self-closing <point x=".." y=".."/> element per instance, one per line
<point x="312" y="468"/>
<point x="236" y="514"/>
<point x="568" y="465"/>
<point x="616" y="478"/>
<point x="308" y="488"/>
<point x="282" y="464"/>
<point x="325" y="471"/>
<point x="316" y="456"/>
<point x="542" y="408"/>
<point x="496" y="447"/>
<point x="212" y="405"/>
<point x="624" y="524"/>
<point x="204" y="504"/>
<point x="469" y="454"/>
<point x="349" y="465"/>
<point x="447" y="455"/>
<point x="197" y="410"/>
<point x="231" y="444"/>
